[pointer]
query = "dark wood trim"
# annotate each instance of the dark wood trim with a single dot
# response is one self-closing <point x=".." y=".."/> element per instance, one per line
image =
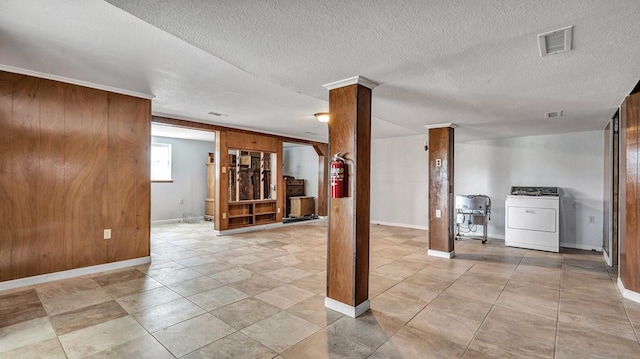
<point x="161" y="181"/>
<point x="322" y="150"/>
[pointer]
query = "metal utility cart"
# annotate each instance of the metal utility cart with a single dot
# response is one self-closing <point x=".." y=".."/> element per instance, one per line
<point x="472" y="211"/>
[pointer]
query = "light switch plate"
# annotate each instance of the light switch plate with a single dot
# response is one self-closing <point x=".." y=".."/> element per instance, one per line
<point x="438" y="213"/>
<point x="107" y="234"/>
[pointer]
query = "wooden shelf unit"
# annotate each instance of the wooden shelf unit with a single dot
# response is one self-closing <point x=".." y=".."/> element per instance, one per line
<point x="249" y="213"/>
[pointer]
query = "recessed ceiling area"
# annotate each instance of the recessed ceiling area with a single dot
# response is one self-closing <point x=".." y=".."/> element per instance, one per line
<point x="263" y="64"/>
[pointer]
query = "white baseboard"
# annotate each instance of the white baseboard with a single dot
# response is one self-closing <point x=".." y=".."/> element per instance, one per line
<point x="346" y="309"/>
<point x="50" y="277"/>
<point x="626" y="293"/>
<point x="447" y="255"/>
<point x="606" y="258"/>
<point x="166" y="221"/>
<point x="402" y="225"/>
<point x="585" y="247"/>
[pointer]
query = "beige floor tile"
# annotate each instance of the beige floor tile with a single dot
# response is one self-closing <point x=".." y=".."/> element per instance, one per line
<point x="315" y="283"/>
<point x="216" y="298"/>
<point x="104" y="336"/>
<point x="234" y="346"/>
<point x="85" y="317"/>
<point x="232" y="275"/>
<point x="284" y="296"/>
<point x="314" y="311"/>
<point x="256" y="285"/>
<point x="170" y="276"/>
<point x="379" y="284"/>
<point x="324" y="345"/>
<point x="66" y="287"/>
<point x="214" y="267"/>
<point x="18" y="307"/>
<point x="281" y="331"/>
<point x="287" y="274"/>
<point x="371" y="328"/>
<point x="397" y="307"/>
<point x="133" y="286"/>
<point x="412" y="292"/>
<point x="140" y="301"/>
<point x="145" y="347"/>
<point x="192" y="334"/>
<point x="529" y="304"/>
<point x="460" y="306"/>
<point x="25" y="334"/>
<point x="394" y="271"/>
<point x="46" y="349"/>
<point x="68" y="302"/>
<point x="243" y="313"/>
<point x="413" y="343"/>
<point x="118" y="276"/>
<point x="596" y="342"/>
<point x="165" y="315"/>
<point x="195" y="286"/>
<point x="456" y="329"/>
<point x="517" y="333"/>
<point x="197" y="260"/>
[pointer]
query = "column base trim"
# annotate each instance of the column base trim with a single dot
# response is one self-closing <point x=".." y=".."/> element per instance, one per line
<point x="346" y="309"/>
<point x="50" y="277"/>
<point x="628" y="294"/>
<point x="440" y="254"/>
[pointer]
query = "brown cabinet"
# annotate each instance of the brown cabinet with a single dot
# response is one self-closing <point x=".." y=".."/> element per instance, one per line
<point x="249" y="213"/>
<point x="302" y="206"/>
<point x="292" y="188"/>
<point x="251" y="142"/>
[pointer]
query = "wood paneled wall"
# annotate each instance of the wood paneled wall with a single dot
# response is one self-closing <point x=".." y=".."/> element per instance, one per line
<point x="629" y="248"/>
<point x="441" y="230"/>
<point x="73" y="162"/>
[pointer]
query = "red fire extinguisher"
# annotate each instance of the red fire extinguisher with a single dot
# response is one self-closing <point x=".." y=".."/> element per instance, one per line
<point x="337" y="175"/>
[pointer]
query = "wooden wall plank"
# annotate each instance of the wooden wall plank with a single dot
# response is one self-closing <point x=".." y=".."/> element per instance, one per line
<point x="25" y="147"/>
<point x="129" y="140"/>
<point x="6" y="164"/>
<point x="362" y="194"/>
<point x="51" y="190"/>
<point x="629" y="246"/>
<point x="86" y="125"/>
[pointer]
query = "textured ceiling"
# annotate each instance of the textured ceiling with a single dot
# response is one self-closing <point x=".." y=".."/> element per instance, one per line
<point x="475" y="63"/>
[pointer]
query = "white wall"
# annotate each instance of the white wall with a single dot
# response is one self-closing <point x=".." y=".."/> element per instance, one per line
<point x="572" y="161"/>
<point x="301" y="162"/>
<point x="400" y="181"/>
<point x="189" y="180"/>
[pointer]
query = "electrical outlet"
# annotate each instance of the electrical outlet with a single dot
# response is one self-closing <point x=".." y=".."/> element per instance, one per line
<point x="107" y="234"/>
<point x="592" y="219"/>
<point x="438" y="213"/>
<point x="181" y="201"/>
<point x="224" y="169"/>
<point x="438" y="162"/>
<point x="278" y="209"/>
<point x="224" y="215"/>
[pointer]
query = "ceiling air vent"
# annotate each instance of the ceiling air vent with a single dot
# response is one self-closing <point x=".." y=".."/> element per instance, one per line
<point x="553" y="114"/>
<point x="218" y="114"/>
<point x="555" y="41"/>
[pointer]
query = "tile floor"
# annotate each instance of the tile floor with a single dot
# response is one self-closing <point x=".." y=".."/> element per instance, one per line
<point x="260" y="295"/>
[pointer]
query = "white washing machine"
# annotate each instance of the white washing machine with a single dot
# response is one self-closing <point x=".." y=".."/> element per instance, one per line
<point x="532" y="216"/>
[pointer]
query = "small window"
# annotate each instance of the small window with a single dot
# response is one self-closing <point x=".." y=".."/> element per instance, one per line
<point x="160" y="161"/>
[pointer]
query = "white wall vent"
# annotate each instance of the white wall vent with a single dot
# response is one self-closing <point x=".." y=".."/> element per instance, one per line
<point x="556" y="41"/>
<point x="553" y="114"/>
